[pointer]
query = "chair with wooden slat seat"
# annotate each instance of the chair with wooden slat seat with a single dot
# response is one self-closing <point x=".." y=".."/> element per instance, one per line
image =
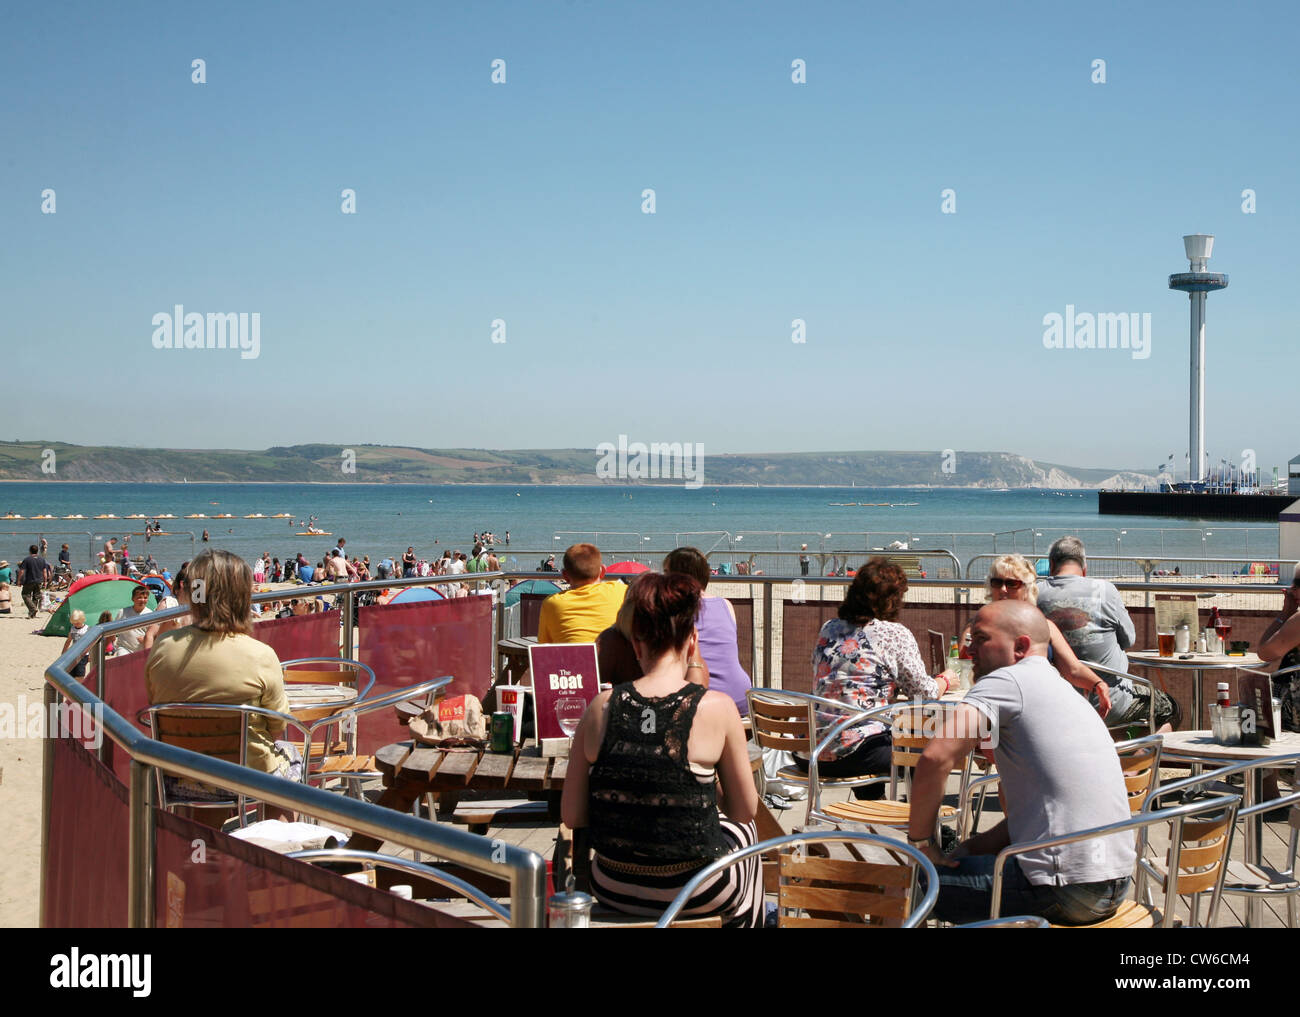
<point x="1200" y="839"/>
<point x="1010" y="922"/>
<point x="425" y="880"/>
<point x="1246" y="878"/>
<point x="787" y="722"/>
<point x="834" y="892"/>
<point x="1139" y="760"/>
<point x="216" y="730"/>
<point x="913" y="727"/>
<point x="841" y="893"/>
<point x="1146" y="683"/>
<point x="352" y="767"/>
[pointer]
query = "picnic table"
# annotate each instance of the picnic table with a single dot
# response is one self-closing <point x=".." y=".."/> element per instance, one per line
<point x="515" y="652"/>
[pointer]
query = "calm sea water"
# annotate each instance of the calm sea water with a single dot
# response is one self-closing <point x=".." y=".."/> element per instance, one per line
<point x="381" y="520"/>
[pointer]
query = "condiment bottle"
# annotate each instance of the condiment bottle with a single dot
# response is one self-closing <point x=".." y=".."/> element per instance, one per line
<point x="1222" y="698"/>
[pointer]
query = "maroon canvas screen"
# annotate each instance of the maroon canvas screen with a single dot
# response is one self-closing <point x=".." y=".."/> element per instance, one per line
<point x="86" y="858"/>
<point x="125" y="694"/>
<point x="409" y="643"/>
<point x="205" y="879"/>
<point x="306" y="635"/>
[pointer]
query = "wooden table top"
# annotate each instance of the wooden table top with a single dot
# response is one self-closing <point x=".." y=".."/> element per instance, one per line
<point x="433" y="769"/>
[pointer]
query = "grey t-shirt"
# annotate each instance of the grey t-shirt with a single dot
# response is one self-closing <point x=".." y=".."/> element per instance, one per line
<point x="1091" y="616"/>
<point x="1060" y="773"/>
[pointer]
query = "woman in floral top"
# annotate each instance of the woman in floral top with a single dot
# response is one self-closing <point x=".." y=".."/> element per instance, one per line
<point x="864" y="658"/>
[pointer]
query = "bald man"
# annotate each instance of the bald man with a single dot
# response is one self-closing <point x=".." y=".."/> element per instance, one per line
<point x="1060" y="774"/>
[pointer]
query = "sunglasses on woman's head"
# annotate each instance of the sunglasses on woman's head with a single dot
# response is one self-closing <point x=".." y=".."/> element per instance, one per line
<point x="997" y="582"/>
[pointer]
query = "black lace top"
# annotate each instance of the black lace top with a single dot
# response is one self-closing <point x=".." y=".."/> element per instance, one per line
<point x="647" y="806"/>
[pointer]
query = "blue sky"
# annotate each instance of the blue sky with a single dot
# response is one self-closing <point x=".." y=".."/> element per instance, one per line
<point x="522" y="201"/>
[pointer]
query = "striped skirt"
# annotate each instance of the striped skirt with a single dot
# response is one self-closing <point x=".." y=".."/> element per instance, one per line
<point x="735" y="893"/>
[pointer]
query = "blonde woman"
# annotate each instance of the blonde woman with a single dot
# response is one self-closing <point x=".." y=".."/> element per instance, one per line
<point x="217" y="660"/>
<point x="1012" y="577"/>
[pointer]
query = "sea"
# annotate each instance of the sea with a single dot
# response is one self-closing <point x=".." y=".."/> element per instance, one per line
<point x="382" y="520"/>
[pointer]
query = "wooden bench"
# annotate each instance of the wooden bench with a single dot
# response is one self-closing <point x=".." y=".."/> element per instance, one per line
<point x="909" y="563"/>
<point x="478" y="816"/>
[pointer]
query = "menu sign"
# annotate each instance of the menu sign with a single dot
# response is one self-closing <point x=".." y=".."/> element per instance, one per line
<point x="1256" y="709"/>
<point x="1172" y="609"/>
<point x="565" y="681"/>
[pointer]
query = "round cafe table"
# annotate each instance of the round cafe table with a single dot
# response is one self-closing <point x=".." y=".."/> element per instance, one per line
<point x="309" y="702"/>
<point x="1198" y="663"/>
<point x="1199" y="747"/>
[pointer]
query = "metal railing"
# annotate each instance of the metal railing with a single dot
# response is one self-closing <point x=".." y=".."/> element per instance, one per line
<point x="1236" y="571"/>
<point x="936" y="564"/>
<point x="524" y="870"/>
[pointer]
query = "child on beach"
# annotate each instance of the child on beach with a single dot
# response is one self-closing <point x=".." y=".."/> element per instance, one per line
<point x="110" y="645"/>
<point x="79" y="628"/>
<point x="6" y="599"/>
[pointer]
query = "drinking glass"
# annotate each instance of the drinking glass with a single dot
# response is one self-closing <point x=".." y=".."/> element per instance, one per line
<point x="569" y="711"/>
<point x="1166" y="641"/>
<point x="1224" y="630"/>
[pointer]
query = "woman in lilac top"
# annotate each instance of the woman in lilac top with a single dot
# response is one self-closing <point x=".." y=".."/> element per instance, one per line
<point x="716" y="627"/>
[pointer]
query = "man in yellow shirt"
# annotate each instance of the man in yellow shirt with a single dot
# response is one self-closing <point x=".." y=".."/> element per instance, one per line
<point x="588" y="607"/>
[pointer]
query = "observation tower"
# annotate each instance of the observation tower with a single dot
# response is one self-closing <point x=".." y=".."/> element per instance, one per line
<point x="1196" y="283"/>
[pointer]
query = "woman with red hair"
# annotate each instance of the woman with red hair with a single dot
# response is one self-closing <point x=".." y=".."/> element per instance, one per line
<point x="647" y="762"/>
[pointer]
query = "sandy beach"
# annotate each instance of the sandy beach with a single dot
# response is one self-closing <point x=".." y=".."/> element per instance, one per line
<point x="26" y="657"/>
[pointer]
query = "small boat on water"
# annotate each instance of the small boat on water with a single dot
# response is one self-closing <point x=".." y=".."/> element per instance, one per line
<point x="318" y="533"/>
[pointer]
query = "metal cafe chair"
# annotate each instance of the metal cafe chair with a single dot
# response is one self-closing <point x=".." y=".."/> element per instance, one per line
<point x="370" y="860"/>
<point x="912" y="727"/>
<point x="1139" y="760"/>
<point x="787" y="722"/>
<point x="217" y="730"/>
<point x="1197" y="856"/>
<point x="834" y="893"/>
<point x="347" y="766"/>
<point x="1135" y="680"/>
<point x="1246" y="878"/>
